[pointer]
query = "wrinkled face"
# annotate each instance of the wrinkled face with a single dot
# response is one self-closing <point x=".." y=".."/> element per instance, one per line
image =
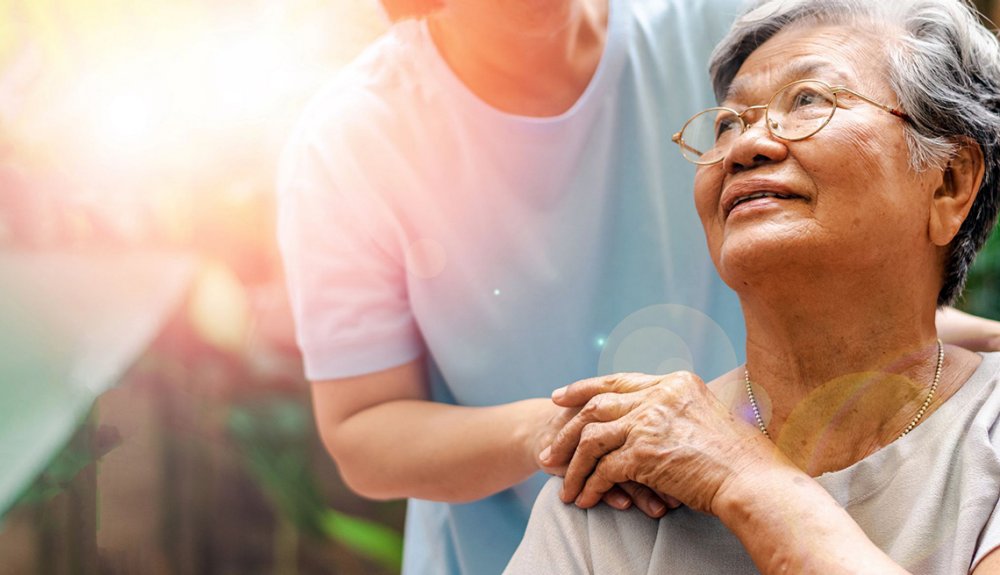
<point x="847" y="197"/>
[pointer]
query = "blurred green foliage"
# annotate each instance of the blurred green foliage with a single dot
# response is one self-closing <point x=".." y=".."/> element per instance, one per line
<point x="982" y="293"/>
<point x="275" y="438"/>
<point x="84" y="450"/>
<point x="58" y="476"/>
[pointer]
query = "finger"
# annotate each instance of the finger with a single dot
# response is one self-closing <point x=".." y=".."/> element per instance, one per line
<point x="672" y="502"/>
<point x="602" y="408"/>
<point x="547" y="435"/>
<point x="597" y="440"/>
<point x="645" y="499"/>
<point x="617" y="498"/>
<point x="580" y="392"/>
<point x="559" y="470"/>
<point x="607" y="473"/>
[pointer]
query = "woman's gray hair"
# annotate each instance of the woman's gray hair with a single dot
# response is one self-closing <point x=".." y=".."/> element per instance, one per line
<point x="944" y="67"/>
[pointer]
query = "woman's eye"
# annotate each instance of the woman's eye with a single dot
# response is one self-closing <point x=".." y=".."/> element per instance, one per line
<point x="806" y="98"/>
<point x="724" y="127"/>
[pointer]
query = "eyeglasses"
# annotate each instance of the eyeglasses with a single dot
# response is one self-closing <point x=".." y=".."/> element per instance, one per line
<point x="797" y="111"/>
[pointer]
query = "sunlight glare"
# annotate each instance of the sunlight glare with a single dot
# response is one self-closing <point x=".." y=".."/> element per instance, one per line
<point x="128" y="120"/>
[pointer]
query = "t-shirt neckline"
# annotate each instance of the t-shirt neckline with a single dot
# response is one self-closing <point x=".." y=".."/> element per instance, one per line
<point x="607" y="69"/>
<point x="838" y="482"/>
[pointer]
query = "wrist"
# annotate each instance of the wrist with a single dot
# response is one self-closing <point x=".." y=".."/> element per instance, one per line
<point x="787" y="523"/>
<point x="531" y="433"/>
<point x="750" y="489"/>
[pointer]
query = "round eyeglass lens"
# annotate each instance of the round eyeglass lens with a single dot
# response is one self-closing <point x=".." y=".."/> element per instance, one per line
<point x="707" y="136"/>
<point x="800" y="110"/>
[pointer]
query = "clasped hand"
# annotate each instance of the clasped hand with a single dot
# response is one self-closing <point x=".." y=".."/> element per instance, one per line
<point x="668" y="433"/>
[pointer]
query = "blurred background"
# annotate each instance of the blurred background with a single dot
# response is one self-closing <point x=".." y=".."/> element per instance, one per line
<point x="153" y="414"/>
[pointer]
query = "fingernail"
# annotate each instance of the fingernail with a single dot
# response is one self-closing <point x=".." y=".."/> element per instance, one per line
<point x="657" y="508"/>
<point x="620" y="501"/>
<point x="559" y="393"/>
<point x="545" y="454"/>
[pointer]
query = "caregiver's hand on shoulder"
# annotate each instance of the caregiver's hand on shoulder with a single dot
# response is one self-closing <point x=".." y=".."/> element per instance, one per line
<point x="551" y="419"/>
<point x="542" y="429"/>
<point x="592" y="398"/>
<point x="668" y="432"/>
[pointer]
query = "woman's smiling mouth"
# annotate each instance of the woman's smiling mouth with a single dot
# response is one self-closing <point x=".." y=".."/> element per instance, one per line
<point x="753" y="192"/>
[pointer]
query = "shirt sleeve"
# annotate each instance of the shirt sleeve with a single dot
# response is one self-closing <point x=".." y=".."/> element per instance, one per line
<point x="341" y="245"/>
<point x="563" y="538"/>
<point x="987" y="426"/>
<point x="989" y="540"/>
<point x="556" y="540"/>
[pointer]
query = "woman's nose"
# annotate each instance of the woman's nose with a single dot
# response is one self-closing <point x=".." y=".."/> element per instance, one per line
<point x="754" y="147"/>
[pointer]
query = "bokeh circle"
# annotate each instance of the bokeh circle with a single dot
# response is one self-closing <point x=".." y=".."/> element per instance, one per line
<point x="664" y="338"/>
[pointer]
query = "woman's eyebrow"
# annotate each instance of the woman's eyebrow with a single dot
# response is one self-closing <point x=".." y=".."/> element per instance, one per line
<point x="799" y="69"/>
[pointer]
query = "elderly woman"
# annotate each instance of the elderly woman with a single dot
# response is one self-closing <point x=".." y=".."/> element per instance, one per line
<point x="845" y="186"/>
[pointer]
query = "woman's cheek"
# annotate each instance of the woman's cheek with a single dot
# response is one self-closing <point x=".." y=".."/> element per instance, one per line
<point x="707" y="192"/>
<point x="857" y="148"/>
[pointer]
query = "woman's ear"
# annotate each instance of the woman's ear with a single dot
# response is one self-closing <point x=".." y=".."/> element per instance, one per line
<point x="959" y="188"/>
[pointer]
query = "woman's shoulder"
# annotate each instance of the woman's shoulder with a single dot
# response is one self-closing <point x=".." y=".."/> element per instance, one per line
<point x="554" y="516"/>
<point x="985" y="382"/>
<point x="562" y="538"/>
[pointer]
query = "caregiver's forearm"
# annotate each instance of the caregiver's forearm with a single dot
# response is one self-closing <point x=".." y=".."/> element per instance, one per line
<point x="789" y="524"/>
<point x="427" y="450"/>
<point x="969" y="331"/>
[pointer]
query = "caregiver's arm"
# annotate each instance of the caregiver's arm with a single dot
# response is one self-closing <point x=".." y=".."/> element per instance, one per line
<point x="968" y="331"/>
<point x="990" y="565"/>
<point x="389" y="441"/>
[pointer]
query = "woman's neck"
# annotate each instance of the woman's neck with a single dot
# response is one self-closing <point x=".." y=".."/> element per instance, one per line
<point x="809" y="344"/>
<point x="837" y="378"/>
<point x="525" y="57"/>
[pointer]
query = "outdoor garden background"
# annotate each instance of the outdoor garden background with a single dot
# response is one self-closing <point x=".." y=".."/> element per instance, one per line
<point x="138" y="142"/>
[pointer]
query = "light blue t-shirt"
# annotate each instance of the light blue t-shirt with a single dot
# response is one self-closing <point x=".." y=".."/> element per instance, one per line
<point x="520" y="254"/>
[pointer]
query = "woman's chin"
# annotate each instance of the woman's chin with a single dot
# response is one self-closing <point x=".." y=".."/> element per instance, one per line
<point x="754" y="257"/>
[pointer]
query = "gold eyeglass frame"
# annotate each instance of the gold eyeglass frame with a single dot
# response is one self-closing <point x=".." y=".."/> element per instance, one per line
<point x="679" y="140"/>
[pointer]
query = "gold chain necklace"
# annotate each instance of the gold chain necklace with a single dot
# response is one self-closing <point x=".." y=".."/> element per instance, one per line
<point x="913" y="423"/>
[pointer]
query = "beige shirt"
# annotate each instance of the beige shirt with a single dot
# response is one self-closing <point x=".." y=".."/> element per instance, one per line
<point x="929" y="500"/>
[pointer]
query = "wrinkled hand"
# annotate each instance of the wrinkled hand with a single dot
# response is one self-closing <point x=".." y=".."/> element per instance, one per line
<point x="623" y="496"/>
<point x="669" y="433"/>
